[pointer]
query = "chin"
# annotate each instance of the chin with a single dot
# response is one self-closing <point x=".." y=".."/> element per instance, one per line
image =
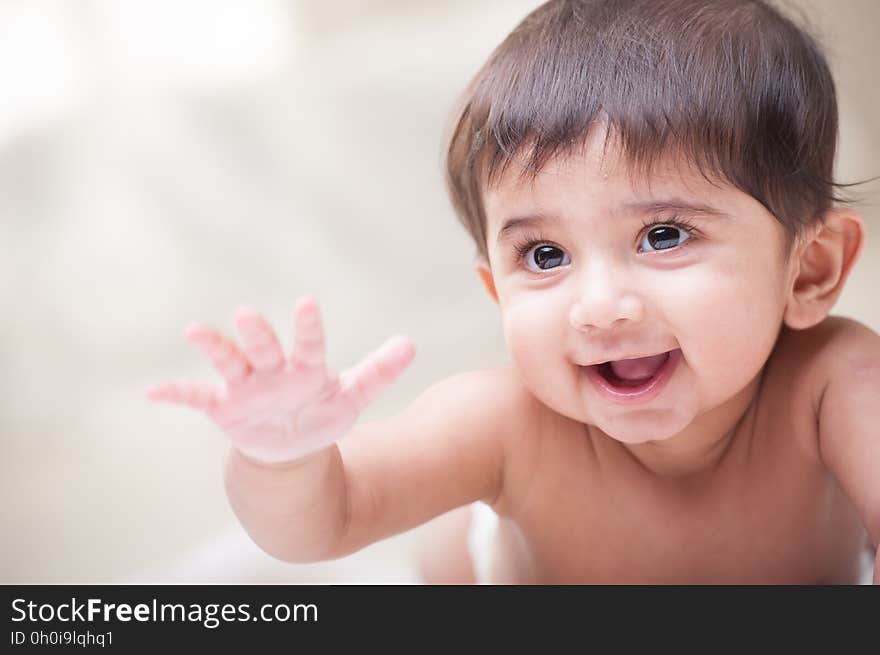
<point x="650" y="426"/>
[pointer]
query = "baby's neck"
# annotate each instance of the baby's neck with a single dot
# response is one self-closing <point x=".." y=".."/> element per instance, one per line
<point x="702" y="445"/>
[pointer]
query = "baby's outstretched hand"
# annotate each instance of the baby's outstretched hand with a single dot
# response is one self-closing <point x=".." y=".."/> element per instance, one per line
<point x="276" y="409"/>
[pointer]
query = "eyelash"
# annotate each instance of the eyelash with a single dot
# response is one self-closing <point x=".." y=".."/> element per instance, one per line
<point x="676" y="221"/>
<point x="529" y="241"/>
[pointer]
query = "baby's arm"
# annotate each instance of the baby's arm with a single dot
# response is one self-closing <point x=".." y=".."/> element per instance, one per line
<point x="849" y="422"/>
<point x="384" y="477"/>
<point x="301" y="496"/>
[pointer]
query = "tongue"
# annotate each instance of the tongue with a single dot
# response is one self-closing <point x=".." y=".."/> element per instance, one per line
<point x="639" y="368"/>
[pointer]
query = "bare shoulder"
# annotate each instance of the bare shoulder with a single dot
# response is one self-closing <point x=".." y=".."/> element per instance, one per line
<point x="481" y="408"/>
<point x="503" y="415"/>
<point x="497" y="398"/>
<point x="810" y="359"/>
<point x="835" y="344"/>
<point x="849" y="413"/>
<point x="483" y="389"/>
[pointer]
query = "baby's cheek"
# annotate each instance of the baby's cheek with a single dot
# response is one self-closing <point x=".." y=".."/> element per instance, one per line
<point x="535" y="341"/>
<point x="728" y="330"/>
<point x="527" y="331"/>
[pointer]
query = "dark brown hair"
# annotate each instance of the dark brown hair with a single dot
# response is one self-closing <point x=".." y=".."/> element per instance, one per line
<point x="733" y="86"/>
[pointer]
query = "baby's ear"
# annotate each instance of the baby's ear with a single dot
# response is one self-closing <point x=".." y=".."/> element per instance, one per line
<point x="485" y="273"/>
<point x="824" y="260"/>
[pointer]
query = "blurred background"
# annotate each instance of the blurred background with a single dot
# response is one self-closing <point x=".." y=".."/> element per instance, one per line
<point x="171" y="160"/>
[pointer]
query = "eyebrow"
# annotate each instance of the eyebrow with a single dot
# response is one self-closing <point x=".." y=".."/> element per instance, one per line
<point x="511" y="225"/>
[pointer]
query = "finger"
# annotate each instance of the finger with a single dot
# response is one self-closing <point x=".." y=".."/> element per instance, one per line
<point x="258" y="341"/>
<point x="308" y="334"/>
<point x="363" y="382"/>
<point x="197" y="395"/>
<point x="229" y="361"/>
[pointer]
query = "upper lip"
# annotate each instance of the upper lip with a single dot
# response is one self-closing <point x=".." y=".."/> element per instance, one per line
<point x="618" y="357"/>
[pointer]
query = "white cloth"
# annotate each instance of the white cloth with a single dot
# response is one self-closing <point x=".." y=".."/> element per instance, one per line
<point x="481" y="540"/>
<point x="867" y="576"/>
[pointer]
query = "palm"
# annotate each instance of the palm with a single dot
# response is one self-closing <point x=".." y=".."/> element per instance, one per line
<point x="275" y="409"/>
<point x="280" y="414"/>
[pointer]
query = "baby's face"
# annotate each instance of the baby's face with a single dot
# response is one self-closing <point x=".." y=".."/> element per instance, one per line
<point x="582" y="280"/>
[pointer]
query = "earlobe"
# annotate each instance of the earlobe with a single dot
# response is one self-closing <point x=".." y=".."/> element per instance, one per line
<point x="824" y="261"/>
<point x="485" y="274"/>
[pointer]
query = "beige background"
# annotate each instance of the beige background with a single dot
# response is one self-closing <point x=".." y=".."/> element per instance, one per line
<point x="169" y="160"/>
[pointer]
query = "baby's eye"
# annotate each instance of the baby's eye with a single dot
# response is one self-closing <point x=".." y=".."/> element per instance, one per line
<point x="545" y="257"/>
<point x="663" y="237"/>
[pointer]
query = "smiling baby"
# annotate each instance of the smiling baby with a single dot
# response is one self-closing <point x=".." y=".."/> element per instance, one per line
<point x="649" y="188"/>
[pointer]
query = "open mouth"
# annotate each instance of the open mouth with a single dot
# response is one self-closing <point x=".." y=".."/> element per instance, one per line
<point x="632" y="372"/>
<point x="633" y="380"/>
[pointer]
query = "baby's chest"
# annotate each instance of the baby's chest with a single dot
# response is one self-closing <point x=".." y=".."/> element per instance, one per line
<point x="759" y="522"/>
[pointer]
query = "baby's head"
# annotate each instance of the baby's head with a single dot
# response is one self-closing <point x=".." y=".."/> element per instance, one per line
<point x="644" y="176"/>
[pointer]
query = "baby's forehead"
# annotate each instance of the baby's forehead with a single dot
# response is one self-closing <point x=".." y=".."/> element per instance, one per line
<point x="605" y="180"/>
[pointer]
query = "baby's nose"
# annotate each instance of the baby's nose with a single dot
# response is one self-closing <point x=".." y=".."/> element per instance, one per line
<point x="604" y="300"/>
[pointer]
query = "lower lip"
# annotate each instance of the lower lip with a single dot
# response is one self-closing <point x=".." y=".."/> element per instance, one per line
<point x="635" y="395"/>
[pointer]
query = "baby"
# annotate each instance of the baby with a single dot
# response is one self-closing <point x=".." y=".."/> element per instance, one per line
<point x="649" y="187"/>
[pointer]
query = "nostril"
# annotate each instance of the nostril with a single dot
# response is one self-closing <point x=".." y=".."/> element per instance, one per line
<point x="606" y="311"/>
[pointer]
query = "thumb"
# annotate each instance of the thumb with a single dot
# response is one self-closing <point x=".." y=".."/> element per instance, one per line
<point x="361" y="383"/>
